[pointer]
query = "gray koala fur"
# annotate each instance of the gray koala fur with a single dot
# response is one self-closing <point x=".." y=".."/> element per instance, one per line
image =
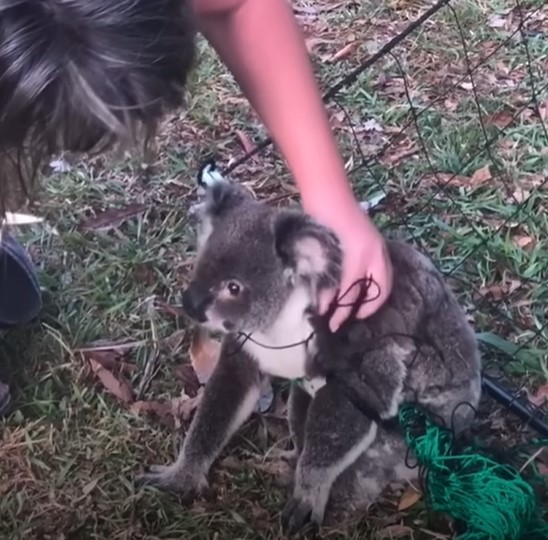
<point x="257" y="272"/>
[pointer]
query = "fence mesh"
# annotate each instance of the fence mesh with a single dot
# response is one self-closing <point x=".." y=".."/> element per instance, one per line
<point x="456" y="161"/>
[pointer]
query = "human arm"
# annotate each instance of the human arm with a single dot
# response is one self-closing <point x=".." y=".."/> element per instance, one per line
<point x="261" y="44"/>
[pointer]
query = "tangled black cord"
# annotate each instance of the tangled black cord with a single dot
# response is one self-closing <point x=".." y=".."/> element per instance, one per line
<point x="320" y="323"/>
<point x="335" y="345"/>
<point x="340" y="372"/>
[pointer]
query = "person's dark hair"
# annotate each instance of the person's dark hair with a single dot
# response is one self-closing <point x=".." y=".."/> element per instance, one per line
<point x="79" y="75"/>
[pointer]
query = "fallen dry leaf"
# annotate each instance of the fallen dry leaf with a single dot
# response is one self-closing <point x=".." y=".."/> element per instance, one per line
<point x="372" y="125"/>
<point x="60" y="165"/>
<point x="520" y="195"/>
<point x="89" y="487"/>
<point x="183" y="406"/>
<point x="172" y="343"/>
<point x="540" y="397"/>
<point x="501" y="119"/>
<point x="275" y="467"/>
<point x="162" y="410"/>
<point x="410" y="497"/>
<point x="524" y="242"/>
<point x="497" y="291"/>
<point x="337" y="119"/>
<point x="116" y="385"/>
<point x="106" y="345"/>
<point x="496" y="21"/>
<point x="343" y="53"/>
<point x="526" y="114"/>
<point x="144" y="273"/>
<point x="531" y="180"/>
<point x="188" y="377"/>
<point x="157" y="407"/>
<point x="204" y="352"/>
<point x="395" y="157"/>
<point x="113" y="217"/>
<point x="245" y="141"/>
<point x="232" y="463"/>
<point x="451" y="104"/>
<point x="481" y="176"/>
<point x="446" y="179"/>
<point x="111" y="360"/>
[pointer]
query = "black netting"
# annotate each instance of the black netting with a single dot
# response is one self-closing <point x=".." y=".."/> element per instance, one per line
<point x="460" y="167"/>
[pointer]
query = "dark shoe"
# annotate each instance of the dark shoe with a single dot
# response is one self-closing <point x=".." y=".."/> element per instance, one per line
<point x="5" y="398"/>
<point x="20" y="294"/>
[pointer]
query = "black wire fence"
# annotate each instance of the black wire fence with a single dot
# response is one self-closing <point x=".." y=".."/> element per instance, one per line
<point x="462" y="172"/>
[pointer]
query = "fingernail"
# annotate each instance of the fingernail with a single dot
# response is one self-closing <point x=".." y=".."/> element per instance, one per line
<point x="323" y="305"/>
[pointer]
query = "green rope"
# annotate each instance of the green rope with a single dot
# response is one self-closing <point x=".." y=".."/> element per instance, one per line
<point x="492" y="501"/>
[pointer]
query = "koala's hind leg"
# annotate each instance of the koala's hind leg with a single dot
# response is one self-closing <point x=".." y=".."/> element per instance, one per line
<point x="336" y="434"/>
<point x="297" y="410"/>
<point x="452" y="398"/>
<point x="298" y="405"/>
<point x="359" y="486"/>
<point x="229" y="399"/>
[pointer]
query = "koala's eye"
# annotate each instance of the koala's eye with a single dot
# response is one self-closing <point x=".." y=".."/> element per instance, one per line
<point x="233" y="288"/>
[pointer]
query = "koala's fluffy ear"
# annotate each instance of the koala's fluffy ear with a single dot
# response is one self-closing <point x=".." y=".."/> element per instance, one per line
<point x="219" y="196"/>
<point x="307" y="248"/>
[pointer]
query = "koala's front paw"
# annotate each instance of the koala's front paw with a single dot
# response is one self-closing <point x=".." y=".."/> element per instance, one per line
<point x="187" y="484"/>
<point x="302" y="511"/>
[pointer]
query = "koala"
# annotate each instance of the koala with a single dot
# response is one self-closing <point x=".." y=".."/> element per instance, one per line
<point x="255" y="282"/>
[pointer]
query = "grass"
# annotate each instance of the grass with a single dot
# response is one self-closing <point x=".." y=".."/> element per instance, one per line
<point x="70" y="449"/>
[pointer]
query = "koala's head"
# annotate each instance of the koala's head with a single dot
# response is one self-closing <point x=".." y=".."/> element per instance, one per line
<point x="250" y="259"/>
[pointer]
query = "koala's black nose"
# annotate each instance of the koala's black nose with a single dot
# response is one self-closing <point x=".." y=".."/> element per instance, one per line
<point x="195" y="301"/>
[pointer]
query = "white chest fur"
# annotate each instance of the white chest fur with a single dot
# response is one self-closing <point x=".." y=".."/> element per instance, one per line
<point x="283" y="349"/>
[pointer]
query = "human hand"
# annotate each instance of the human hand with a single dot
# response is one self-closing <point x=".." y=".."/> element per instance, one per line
<point x="365" y="258"/>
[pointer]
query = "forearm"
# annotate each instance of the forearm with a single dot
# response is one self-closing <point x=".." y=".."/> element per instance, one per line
<point x="262" y="45"/>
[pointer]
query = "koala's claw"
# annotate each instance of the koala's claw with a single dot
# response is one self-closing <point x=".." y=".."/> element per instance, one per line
<point x="297" y="514"/>
<point x="171" y="479"/>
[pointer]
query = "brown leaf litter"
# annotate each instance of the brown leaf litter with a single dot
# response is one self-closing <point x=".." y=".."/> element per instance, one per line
<point x="110" y="368"/>
<point x="480" y="177"/>
<point x="540" y="396"/>
<point x="499" y="290"/>
<point x="409" y="498"/>
<point x="245" y="141"/>
<point x="116" y="385"/>
<point x="204" y="353"/>
<point x="113" y="217"/>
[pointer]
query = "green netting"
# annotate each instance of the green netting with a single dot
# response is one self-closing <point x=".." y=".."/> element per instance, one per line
<point x="490" y="500"/>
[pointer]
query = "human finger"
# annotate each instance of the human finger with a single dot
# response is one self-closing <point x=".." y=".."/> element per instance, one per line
<point x="325" y="298"/>
<point x="369" y="308"/>
<point x="345" y="302"/>
<point x="373" y="299"/>
<point x="378" y="293"/>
